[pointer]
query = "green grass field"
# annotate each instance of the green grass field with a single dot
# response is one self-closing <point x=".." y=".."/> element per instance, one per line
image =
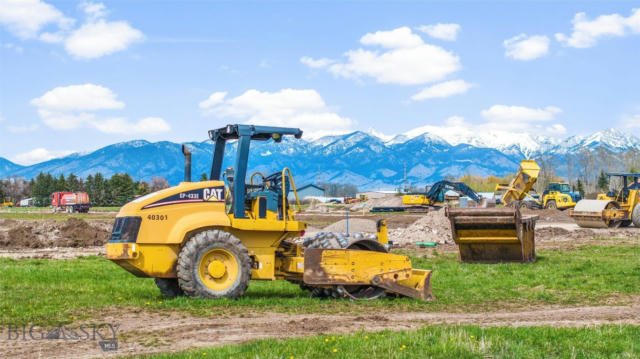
<point x="60" y="291"/>
<point x="442" y="342"/>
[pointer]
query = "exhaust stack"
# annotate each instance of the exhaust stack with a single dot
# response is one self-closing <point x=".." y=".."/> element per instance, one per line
<point x="187" y="163"/>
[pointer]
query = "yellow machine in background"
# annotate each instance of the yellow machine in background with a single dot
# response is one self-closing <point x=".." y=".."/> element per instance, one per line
<point x="619" y="207"/>
<point x="208" y="239"/>
<point x="557" y="195"/>
<point x="6" y="204"/>
<point x="521" y="184"/>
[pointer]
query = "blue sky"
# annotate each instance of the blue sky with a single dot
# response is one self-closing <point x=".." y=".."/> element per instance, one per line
<point x="75" y="76"/>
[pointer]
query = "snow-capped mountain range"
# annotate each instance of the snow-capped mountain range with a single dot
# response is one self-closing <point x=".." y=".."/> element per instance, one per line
<point x="366" y="159"/>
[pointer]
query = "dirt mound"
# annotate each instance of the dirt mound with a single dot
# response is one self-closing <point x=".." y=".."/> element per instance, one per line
<point x="78" y="233"/>
<point x="356" y="225"/>
<point x="433" y="227"/>
<point x="50" y="233"/>
<point x="549" y="215"/>
<point x="389" y="201"/>
<point x="22" y="236"/>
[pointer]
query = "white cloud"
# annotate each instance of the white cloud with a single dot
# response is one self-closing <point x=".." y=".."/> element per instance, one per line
<point x="52" y="37"/>
<point x="23" y="129"/>
<point x="121" y="126"/>
<point x="556" y="129"/>
<point x="510" y="114"/>
<point x="316" y="63"/>
<point x="78" y="98"/>
<point x="13" y="47"/>
<point x="401" y="37"/>
<point x="100" y="38"/>
<point x="448" y="32"/>
<point x="75" y="106"/>
<point x="94" y="11"/>
<point x="214" y="99"/>
<point x="95" y="38"/>
<point x="587" y="32"/>
<point x="288" y="107"/>
<point x="38" y="155"/>
<point x="25" y="18"/>
<point x="631" y="122"/>
<point x="523" y="47"/>
<point x="442" y="90"/>
<point x="405" y="60"/>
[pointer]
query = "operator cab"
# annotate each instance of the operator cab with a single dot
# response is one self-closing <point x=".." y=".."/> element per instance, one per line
<point x="622" y="194"/>
<point x="267" y="199"/>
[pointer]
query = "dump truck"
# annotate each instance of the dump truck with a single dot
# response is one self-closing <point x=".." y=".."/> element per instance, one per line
<point x="619" y="207"/>
<point x="491" y="235"/>
<point x="70" y="202"/>
<point x="208" y="239"/>
<point x="434" y="197"/>
<point x="517" y="193"/>
<point x="518" y="189"/>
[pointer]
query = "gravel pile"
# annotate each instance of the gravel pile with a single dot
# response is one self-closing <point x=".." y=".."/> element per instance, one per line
<point x="433" y="227"/>
<point x="356" y="225"/>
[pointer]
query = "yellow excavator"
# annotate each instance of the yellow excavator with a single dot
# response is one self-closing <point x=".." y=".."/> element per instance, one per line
<point x="209" y="239"/>
<point x="619" y="207"/>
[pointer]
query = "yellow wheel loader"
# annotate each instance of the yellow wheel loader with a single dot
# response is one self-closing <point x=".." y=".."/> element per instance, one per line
<point x="208" y="239"/>
<point x="619" y="207"/>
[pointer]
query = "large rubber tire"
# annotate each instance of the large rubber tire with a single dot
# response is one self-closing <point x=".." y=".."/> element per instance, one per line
<point x="193" y="252"/>
<point x="169" y="287"/>
<point x="551" y="204"/>
<point x="635" y="216"/>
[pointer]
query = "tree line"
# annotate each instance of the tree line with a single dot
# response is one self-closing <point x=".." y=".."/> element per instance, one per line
<point x="113" y="191"/>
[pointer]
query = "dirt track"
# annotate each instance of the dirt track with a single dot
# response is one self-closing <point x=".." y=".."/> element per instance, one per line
<point x="147" y="332"/>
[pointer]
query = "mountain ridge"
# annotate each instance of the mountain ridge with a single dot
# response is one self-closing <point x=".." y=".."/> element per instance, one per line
<point x="359" y="157"/>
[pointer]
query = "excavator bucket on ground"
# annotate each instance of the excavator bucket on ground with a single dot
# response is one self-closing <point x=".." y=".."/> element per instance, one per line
<point x="493" y="235"/>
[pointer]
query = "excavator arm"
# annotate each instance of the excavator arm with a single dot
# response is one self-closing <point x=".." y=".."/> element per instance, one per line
<point x="442" y="186"/>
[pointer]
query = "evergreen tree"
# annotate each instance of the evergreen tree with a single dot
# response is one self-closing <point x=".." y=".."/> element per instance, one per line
<point x="88" y="187"/>
<point x="99" y="190"/>
<point x="603" y="181"/>
<point x="203" y="177"/>
<point x="580" y="187"/>
<point x="121" y="189"/>
<point x="61" y="184"/>
<point x="73" y="184"/>
<point x="142" y="188"/>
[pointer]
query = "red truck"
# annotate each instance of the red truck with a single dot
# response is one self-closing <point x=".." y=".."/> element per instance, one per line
<point x="70" y="202"/>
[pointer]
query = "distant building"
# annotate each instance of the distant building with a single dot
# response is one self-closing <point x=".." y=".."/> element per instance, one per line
<point x="309" y="190"/>
<point x="27" y="202"/>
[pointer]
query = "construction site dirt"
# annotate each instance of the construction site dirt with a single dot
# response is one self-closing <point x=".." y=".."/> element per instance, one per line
<point x="61" y="239"/>
<point x="179" y="331"/>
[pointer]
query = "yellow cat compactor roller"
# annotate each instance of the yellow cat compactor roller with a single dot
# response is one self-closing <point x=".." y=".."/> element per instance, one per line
<point x="208" y="239"/>
<point x="619" y="207"/>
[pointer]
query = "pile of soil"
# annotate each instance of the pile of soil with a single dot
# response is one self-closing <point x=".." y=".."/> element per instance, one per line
<point x="549" y="215"/>
<point x="389" y="201"/>
<point x="22" y="236"/>
<point x="356" y="225"/>
<point x="78" y="233"/>
<point x="433" y="227"/>
<point x="50" y="233"/>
